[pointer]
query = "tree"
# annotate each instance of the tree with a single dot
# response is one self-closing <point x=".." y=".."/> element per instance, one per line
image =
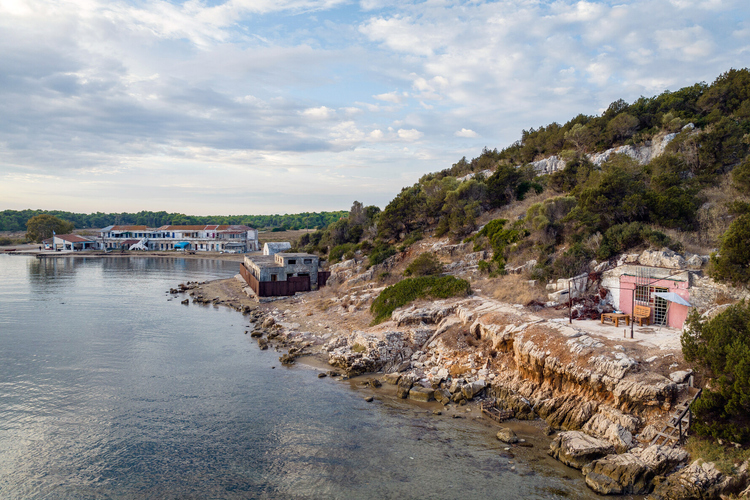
<point x="720" y="351"/>
<point x="733" y="261"/>
<point x="580" y="136"/>
<point x="40" y="227"/>
<point x="622" y="126"/>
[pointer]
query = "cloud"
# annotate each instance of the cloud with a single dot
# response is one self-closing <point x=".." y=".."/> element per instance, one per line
<point x="392" y="97"/>
<point x="410" y="135"/>
<point x="465" y="132"/>
<point x="257" y="89"/>
<point x="320" y="113"/>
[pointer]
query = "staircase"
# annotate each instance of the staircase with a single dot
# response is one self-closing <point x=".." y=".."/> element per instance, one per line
<point x="675" y="430"/>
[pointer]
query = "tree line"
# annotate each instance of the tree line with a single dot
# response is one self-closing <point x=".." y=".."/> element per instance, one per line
<point x="15" y="220"/>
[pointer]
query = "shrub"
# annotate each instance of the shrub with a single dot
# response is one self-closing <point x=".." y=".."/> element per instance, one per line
<point x="410" y="289"/>
<point x="5" y="242"/>
<point x="733" y="261"/>
<point x="499" y="238"/>
<point x="622" y="237"/>
<point x="340" y="251"/>
<point x="424" y="265"/>
<point x="573" y="262"/>
<point x="380" y="252"/>
<point x="741" y="176"/>
<point x="720" y="351"/>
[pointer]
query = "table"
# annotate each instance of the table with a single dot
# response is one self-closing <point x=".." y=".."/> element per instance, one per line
<point x="615" y="318"/>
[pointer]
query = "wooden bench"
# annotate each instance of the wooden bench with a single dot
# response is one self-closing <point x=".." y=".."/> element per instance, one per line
<point x="641" y="314"/>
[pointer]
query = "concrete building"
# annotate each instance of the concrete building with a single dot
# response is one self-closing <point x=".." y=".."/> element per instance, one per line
<point x="209" y="238"/>
<point x="282" y="273"/>
<point x="275" y="247"/>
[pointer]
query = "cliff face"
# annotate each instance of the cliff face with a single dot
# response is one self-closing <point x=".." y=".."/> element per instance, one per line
<point x="537" y="367"/>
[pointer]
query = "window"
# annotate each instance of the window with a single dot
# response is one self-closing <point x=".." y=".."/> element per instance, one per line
<point x="308" y="261"/>
<point x="273" y="277"/>
<point x="292" y="262"/>
<point x="642" y="294"/>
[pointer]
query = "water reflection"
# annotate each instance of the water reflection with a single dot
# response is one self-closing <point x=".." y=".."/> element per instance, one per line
<point x="108" y="390"/>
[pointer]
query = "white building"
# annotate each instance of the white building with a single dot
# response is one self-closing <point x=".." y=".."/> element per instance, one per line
<point x="274" y="247"/>
<point x="210" y="238"/>
<point x="73" y="242"/>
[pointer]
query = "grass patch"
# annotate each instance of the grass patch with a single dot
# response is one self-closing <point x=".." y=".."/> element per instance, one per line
<point x="410" y="289"/>
<point x="726" y="457"/>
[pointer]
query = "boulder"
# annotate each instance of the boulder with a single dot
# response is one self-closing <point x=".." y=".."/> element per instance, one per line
<point x="507" y="435"/>
<point x="404" y="386"/>
<point x="602" y="427"/>
<point x="392" y="378"/>
<point x="679" y="377"/>
<point x="418" y="393"/>
<point x="268" y="322"/>
<point x="509" y="400"/>
<point x="571" y="414"/>
<point x="576" y="448"/>
<point x="632" y="473"/>
<point x="473" y="389"/>
<point x="442" y="395"/>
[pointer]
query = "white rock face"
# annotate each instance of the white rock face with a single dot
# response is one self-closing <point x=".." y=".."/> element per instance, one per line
<point x="662" y="258"/>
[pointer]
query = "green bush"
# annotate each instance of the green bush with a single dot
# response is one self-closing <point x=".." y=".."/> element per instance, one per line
<point x="380" y="252"/>
<point x="340" y="251"/>
<point x="622" y="237"/>
<point x="424" y="265"/>
<point x="741" y="176"/>
<point x="410" y="289"/>
<point x="733" y="261"/>
<point x="5" y="242"/>
<point x="499" y="238"/>
<point x="720" y="351"/>
<point x="573" y="262"/>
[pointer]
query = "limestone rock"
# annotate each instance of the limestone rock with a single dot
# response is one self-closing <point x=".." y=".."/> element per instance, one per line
<point x="473" y="389"/>
<point x="679" y="377"/>
<point x="600" y="426"/>
<point x="429" y="315"/>
<point x="662" y="258"/>
<point x="632" y="473"/>
<point x="507" y="435"/>
<point x="419" y="393"/>
<point x="569" y="413"/>
<point x="442" y="395"/>
<point x="699" y="480"/>
<point x="576" y="448"/>
<point x="392" y="378"/>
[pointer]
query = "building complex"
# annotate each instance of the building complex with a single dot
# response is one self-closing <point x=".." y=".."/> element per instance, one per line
<point x="209" y="238"/>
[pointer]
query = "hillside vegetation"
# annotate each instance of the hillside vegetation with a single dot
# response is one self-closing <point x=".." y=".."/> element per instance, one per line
<point x="691" y="197"/>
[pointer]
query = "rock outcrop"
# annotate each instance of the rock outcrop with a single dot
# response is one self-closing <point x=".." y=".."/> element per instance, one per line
<point x="633" y="472"/>
<point x="699" y="480"/>
<point x="576" y="448"/>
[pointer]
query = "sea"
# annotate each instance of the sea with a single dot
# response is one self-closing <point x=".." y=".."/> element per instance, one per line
<point x="110" y="388"/>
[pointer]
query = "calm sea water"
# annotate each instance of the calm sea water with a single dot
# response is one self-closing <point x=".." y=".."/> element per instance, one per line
<point x="108" y="390"/>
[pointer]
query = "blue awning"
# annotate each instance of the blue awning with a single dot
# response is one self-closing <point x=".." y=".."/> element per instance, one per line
<point x="182" y="244"/>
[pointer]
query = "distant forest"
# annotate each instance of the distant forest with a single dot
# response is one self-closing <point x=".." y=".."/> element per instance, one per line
<point x="15" y="220"/>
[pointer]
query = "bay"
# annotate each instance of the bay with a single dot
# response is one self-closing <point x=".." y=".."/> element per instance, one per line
<point x="108" y="389"/>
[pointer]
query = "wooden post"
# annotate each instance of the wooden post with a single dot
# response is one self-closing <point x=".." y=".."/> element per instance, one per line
<point x="570" y="305"/>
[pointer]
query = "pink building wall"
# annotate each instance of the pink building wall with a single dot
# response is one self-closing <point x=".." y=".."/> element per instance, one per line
<point x="677" y="313"/>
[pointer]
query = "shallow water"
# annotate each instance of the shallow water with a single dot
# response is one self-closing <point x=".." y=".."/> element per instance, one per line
<point x="110" y="390"/>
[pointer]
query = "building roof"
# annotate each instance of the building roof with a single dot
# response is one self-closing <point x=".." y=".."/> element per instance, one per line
<point x="124" y="228"/>
<point x="74" y="238"/>
<point x="209" y="227"/>
<point x="264" y="261"/>
<point x="273" y="247"/>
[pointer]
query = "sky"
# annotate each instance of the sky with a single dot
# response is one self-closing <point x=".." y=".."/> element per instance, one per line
<point x="284" y="106"/>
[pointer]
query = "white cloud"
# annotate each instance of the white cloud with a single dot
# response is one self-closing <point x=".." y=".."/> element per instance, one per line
<point x="111" y="88"/>
<point x="410" y="135"/>
<point x="319" y="113"/>
<point x="392" y="97"/>
<point x="465" y="132"/>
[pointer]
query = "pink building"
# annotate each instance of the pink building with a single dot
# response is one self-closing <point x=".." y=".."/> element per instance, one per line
<point x="647" y="286"/>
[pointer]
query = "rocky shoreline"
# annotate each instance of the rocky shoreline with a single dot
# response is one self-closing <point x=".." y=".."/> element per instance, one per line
<point x="600" y="402"/>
